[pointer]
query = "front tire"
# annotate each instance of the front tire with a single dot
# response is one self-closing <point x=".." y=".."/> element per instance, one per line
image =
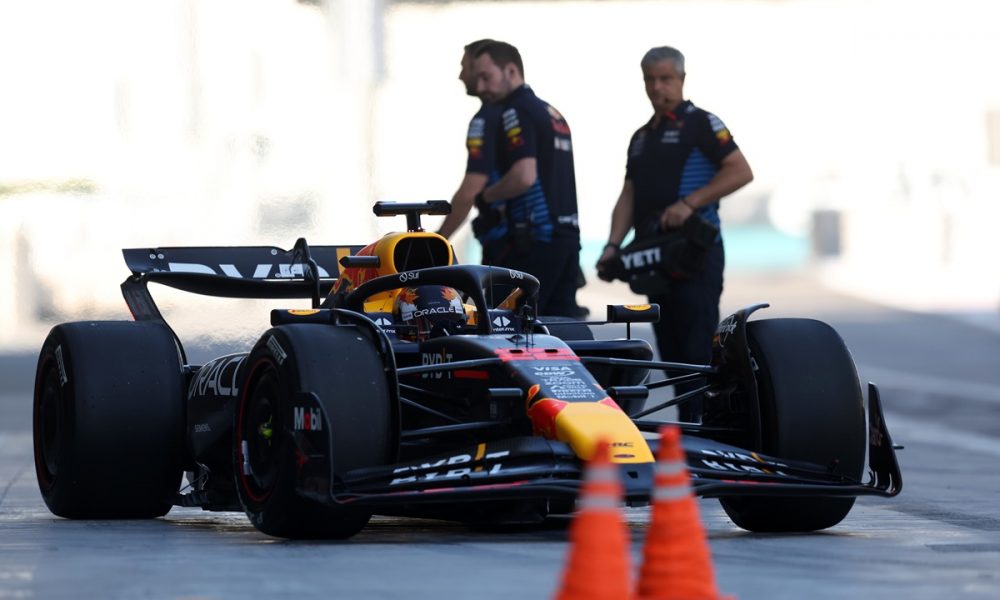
<point x="345" y="371"/>
<point x="811" y="409"/>
<point x="109" y="420"/>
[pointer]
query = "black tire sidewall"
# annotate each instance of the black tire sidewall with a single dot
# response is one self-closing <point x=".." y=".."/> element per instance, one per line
<point x="811" y="409"/>
<point x="119" y="447"/>
<point x="333" y="363"/>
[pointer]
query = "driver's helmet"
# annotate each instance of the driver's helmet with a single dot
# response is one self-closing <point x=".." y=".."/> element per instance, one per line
<point x="427" y="311"/>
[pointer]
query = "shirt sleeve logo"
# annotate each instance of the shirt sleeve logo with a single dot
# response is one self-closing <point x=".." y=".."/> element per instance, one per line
<point x="477" y="127"/>
<point x="512" y="128"/>
<point x="721" y="132"/>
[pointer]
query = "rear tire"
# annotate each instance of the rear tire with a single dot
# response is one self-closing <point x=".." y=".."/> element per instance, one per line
<point x="811" y="409"/>
<point x="343" y="368"/>
<point x="109" y="420"/>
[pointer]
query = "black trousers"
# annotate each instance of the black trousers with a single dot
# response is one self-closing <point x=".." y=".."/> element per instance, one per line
<point x="689" y="316"/>
<point x="556" y="264"/>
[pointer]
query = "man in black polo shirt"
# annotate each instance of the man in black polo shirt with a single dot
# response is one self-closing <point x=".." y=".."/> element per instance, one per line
<point x="534" y="201"/>
<point x="680" y="164"/>
<point x="480" y="143"/>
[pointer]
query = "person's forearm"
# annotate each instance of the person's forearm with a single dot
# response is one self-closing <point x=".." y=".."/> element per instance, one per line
<point x="461" y="203"/>
<point x="518" y="180"/>
<point x="621" y="216"/>
<point x="621" y="222"/>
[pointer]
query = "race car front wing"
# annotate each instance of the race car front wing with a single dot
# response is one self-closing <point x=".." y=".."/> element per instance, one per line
<point x="533" y="467"/>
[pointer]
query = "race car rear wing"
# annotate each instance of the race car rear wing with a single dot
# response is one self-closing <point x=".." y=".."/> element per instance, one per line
<point x="263" y="272"/>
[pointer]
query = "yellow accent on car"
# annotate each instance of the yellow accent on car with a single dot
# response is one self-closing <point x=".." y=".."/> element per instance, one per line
<point x="582" y="424"/>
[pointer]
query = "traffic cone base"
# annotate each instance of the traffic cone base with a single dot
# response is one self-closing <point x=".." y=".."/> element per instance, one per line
<point x="598" y="566"/>
<point x="677" y="562"/>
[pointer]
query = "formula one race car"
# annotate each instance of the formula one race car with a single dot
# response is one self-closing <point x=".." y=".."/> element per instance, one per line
<point x="417" y="386"/>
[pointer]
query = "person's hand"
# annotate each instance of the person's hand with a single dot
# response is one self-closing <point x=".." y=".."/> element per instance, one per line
<point x="675" y="215"/>
<point x="609" y="253"/>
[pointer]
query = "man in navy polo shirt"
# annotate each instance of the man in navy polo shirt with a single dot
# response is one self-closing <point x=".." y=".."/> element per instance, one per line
<point x="681" y="163"/>
<point x="480" y="143"/>
<point x="534" y="201"/>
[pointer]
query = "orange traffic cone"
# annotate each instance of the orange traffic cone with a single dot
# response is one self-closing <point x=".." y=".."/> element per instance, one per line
<point x="677" y="564"/>
<point x="598" y="566"/>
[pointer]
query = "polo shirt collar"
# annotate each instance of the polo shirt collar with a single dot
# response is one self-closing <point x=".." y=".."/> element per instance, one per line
<point x="674" y="115"/>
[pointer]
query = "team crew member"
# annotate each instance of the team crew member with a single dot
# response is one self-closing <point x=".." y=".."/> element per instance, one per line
<point x="680" y="163"/>
<point x="480" y="144"/>
<point x="533" y="205"/>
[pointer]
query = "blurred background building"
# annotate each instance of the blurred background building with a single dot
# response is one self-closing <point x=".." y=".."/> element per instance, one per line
<point x="873" y="127"/>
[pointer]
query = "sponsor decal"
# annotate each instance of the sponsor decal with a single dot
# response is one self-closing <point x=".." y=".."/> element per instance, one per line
<point x="573" y="220"/>
<point x="409" y="276"/>
<point x="641" y="258"/>
<point x="563" y="144"/>
<point x="475" y="146"/>
<point x="383" y="322"/>
<point x="202" y="428"/>
<point x="448" y="303"/>
<point x="638" y="307"/>
<point x="477" y="128"/>
<point x="510" y="120"/>
<point x="279" y="353"/>
<point x="671" y="136"/>
<point x="298" y="312"/>
<point x="501" y="321"/>
<point x="514" y="141"/>
<point x="563" y="382"/>
<point x="720" y="129"/>
<point x="726" y="328"/>
<point x="61" y="366"/>
<point x="219" y="377"/>
<point x="261" y="271"/>
<point x="434" y="310"/>
<point x="306" y="419"/>
<point x="436" y="358"/>
<point x="444" y="468"/>
<point x="512" y="128"/>
<point x="723" y="465"/>
<point x="716" y="123"/>
<point x="553" y="112"/>
<point x="561" y="127"/>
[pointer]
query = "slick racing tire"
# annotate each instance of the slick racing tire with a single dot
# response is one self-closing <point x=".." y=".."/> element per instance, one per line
<point x="109" y="420"/>
<point x="811" y="409"/>
<point x="342" y="367"/>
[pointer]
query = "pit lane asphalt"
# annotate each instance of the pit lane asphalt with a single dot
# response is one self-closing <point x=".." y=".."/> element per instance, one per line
<point x="939" y="539"/>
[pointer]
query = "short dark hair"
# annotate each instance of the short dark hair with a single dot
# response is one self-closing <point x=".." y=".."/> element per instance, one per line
<point x="473" y="47"/>
<point x="502" y="54"/>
